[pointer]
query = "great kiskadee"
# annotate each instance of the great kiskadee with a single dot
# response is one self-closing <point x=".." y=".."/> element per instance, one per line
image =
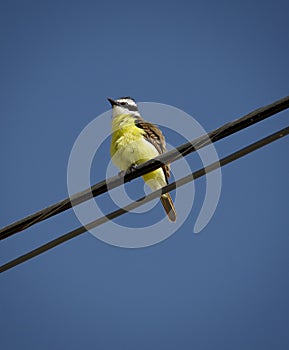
<point x="134" y="141"/>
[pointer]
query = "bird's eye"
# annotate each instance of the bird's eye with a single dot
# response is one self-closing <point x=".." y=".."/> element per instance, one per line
<point x="123" y="103"/>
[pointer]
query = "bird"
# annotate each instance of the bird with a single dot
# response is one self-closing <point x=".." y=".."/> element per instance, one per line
<point x="135" y="141"/>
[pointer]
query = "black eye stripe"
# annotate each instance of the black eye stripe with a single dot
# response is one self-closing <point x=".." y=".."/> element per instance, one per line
<point x="128" y="106"/>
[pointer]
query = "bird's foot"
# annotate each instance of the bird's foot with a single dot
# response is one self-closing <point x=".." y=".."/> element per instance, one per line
<point x="132" y="168"/>
<point x="121" y="173"/>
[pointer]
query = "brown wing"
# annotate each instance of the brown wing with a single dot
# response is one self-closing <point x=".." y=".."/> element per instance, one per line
<point x="156" y="138"/>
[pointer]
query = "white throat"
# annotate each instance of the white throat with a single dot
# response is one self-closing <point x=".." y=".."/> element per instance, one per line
<point x="120" y="110"/>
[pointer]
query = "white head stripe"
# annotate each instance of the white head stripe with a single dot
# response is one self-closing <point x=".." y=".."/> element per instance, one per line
<point x="128" y="101"/>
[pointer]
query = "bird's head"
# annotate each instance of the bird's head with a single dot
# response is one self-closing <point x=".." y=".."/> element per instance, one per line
<point x="123" y="105"/>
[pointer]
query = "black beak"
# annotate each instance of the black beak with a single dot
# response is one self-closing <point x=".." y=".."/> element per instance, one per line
<point x="112" y="102"/>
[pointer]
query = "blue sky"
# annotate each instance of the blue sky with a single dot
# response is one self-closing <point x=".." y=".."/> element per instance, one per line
<point x="225" y="288"/>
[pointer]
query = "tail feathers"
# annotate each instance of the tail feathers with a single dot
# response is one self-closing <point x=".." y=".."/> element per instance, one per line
<point x="169" y="207"/>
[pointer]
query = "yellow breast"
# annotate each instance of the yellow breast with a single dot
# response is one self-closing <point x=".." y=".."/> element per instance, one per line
<point x="128" y="146"/>
<point x="124" y="133"/>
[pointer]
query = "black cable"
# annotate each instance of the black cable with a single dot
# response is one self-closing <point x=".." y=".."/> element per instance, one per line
<point x="169" y="157"/>
<point x="156" y="194"/>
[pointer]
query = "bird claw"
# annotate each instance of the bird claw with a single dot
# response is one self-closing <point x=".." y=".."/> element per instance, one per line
<point x="122" y="173"/>
<point x="132" y="168"/>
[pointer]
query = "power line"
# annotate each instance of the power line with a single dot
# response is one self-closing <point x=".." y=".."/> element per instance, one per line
<point x="169" y="157"/>
<point x="156" y="194"/>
